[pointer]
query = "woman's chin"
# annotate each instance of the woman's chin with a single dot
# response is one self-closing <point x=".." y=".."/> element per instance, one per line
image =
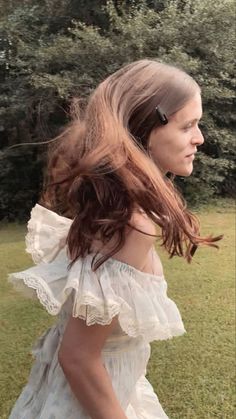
<point x="184" y="171"/>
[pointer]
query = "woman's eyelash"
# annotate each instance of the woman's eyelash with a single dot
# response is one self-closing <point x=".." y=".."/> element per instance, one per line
<point x="188" y="126"/>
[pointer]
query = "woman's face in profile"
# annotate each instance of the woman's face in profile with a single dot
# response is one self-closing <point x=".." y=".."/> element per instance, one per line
<point x="172" y="146"/>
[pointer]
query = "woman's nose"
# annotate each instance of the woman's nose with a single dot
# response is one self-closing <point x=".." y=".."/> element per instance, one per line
<point x="198" y="137"/>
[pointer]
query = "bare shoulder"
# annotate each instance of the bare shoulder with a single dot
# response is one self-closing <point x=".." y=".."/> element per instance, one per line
<point x="140" y="237"/>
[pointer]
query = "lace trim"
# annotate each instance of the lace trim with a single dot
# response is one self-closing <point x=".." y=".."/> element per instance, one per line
<point x="43" y="292"/>
<point x="91" y="309"/>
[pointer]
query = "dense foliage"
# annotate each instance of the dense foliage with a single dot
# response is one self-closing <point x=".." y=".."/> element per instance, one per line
<point x="51" y="52"/>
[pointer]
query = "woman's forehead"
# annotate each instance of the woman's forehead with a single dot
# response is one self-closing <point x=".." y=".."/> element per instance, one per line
<point x="192" y="110"/>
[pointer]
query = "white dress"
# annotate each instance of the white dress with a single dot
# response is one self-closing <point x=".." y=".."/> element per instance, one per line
<point x="140" y="300"/>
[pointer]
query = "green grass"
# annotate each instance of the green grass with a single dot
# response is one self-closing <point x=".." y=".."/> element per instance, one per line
<point x="194" y="374"/>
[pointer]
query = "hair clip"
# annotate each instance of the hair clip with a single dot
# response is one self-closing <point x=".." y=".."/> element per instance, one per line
<point x="162" y="116"/>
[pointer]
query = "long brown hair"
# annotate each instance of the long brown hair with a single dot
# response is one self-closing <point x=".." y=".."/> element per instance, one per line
<point x="100" y="170"/>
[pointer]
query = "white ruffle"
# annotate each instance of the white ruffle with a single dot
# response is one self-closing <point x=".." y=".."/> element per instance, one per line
<point x="138" y="299"/>
<point x="46" y="235"/>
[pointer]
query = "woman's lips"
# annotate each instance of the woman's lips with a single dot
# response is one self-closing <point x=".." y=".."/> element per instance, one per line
<point x="192" y="154"/>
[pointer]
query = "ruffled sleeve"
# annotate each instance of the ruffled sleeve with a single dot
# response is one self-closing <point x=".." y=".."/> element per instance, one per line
<point x="116" y="289"/>
<point x="47" y="232"/>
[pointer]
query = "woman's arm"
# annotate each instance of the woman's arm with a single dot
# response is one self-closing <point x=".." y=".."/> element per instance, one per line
<point x="80" y="359"/>
<point x="80" y="351"/>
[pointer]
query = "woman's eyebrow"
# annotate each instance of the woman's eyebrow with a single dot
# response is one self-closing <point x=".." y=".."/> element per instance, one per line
<point x="192" y="120"/>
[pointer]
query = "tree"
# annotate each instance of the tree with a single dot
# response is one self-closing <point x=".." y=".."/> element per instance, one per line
<point x="49" y="56"/>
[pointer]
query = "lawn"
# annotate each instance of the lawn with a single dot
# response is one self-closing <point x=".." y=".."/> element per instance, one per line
<point x="194" y="374"/>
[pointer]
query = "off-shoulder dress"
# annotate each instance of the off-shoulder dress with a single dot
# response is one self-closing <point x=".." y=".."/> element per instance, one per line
<point x="139" y="299"/>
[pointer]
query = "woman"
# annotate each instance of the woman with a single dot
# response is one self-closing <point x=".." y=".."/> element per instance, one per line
<point x="106" y="199"/>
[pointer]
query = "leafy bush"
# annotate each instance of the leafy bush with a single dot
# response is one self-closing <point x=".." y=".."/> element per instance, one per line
<point x="49" y="56"/>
